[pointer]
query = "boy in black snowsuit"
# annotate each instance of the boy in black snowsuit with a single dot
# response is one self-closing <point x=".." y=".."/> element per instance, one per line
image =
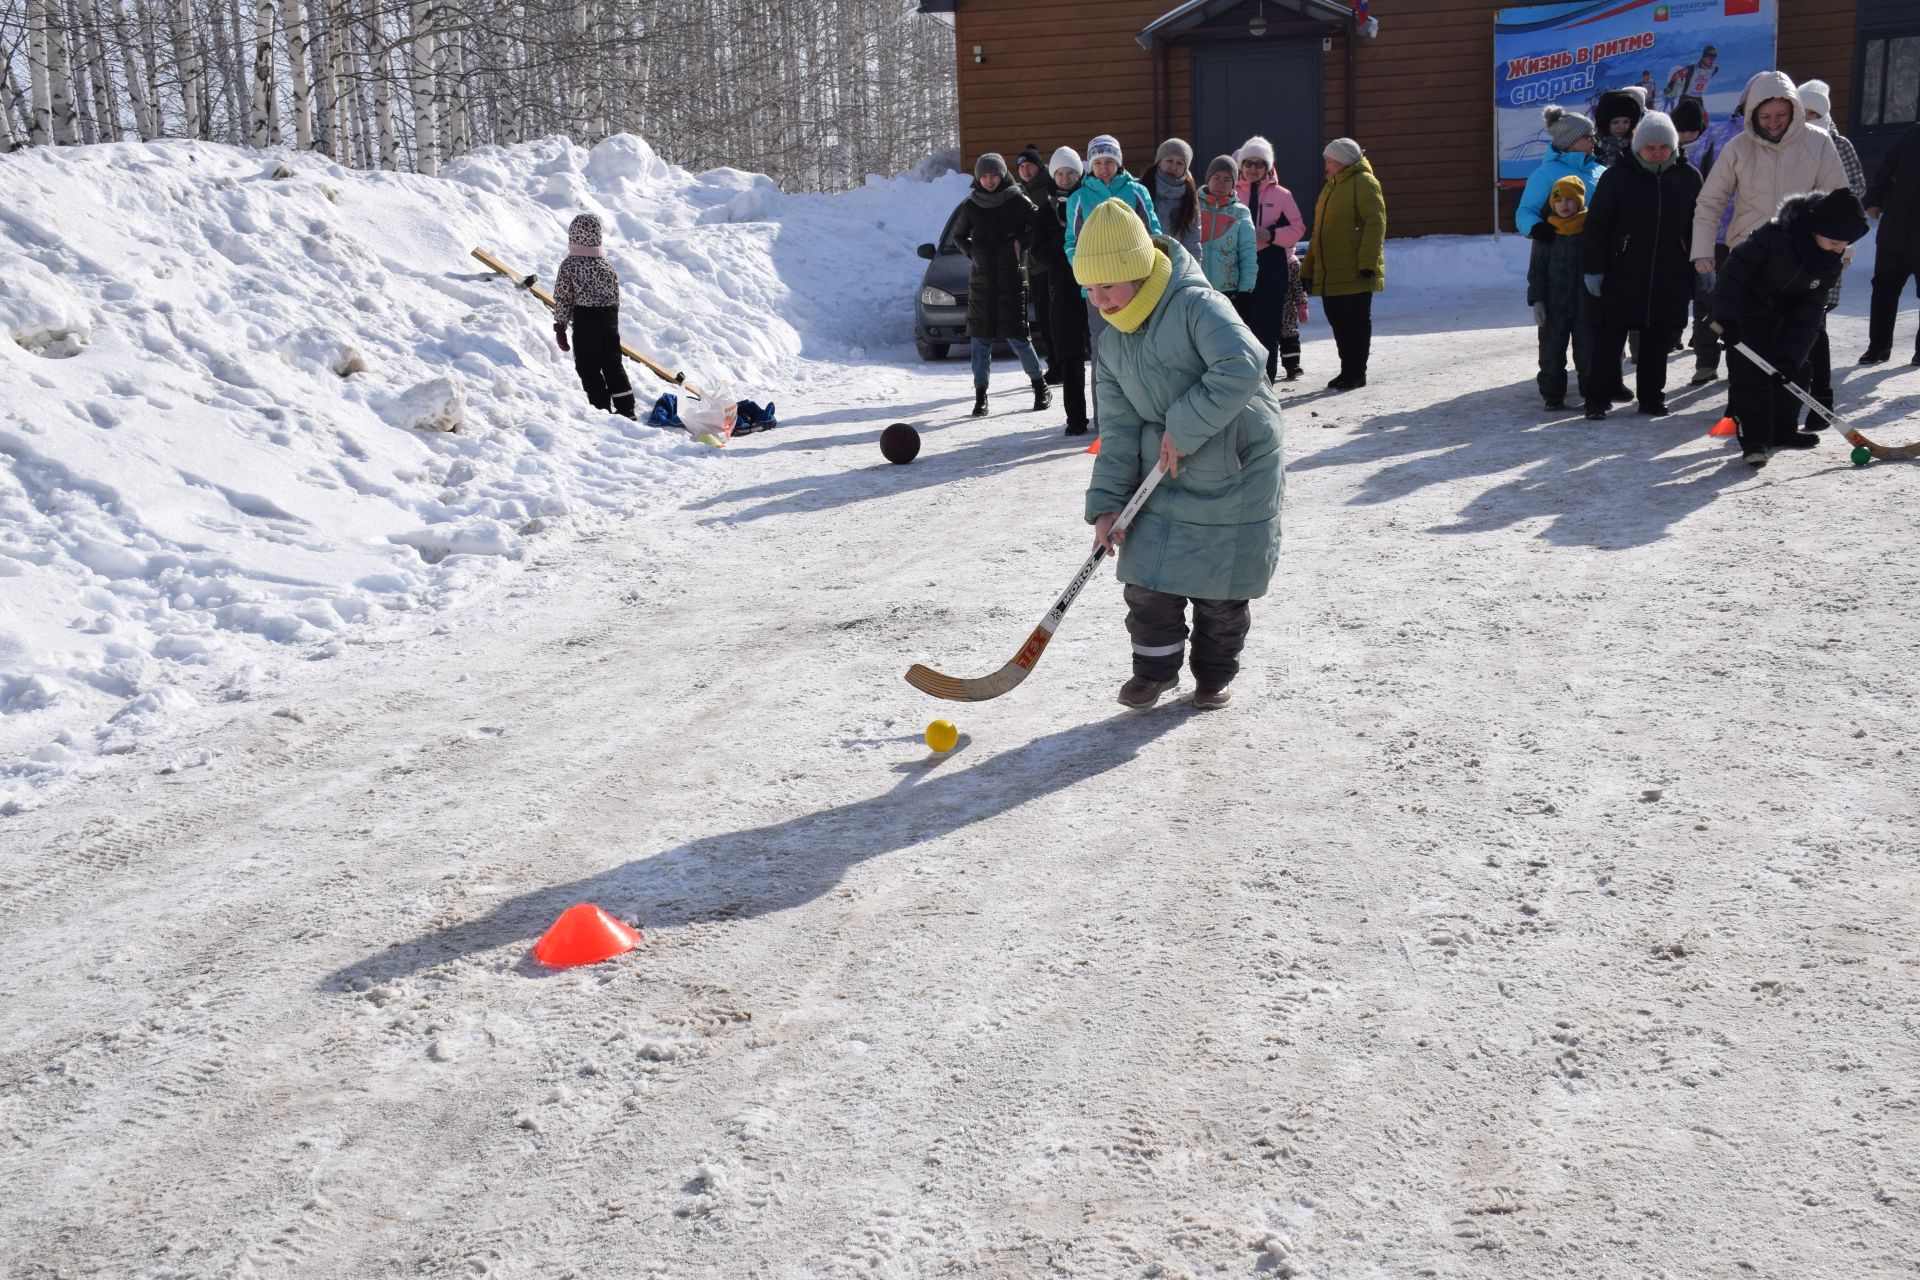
<point x="1555" y="292"/>
<point x="586" y="293"/>
<point x="1771" y="296"/>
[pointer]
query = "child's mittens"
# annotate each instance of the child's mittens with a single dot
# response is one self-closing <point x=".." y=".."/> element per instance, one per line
<point x="1542" y="232"/>
<point x="1593" y="282"/>
<point x="1303" y="313"/>
<point x="560" y="336"/>
<point x="1539" y="314"/>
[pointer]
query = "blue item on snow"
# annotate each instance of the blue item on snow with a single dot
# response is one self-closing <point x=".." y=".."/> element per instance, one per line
<point x="749" y="417"/>
<point x="666" y="412"/>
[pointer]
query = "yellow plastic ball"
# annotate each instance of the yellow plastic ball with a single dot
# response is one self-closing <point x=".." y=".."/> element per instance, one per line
<point x="941" y="735"/>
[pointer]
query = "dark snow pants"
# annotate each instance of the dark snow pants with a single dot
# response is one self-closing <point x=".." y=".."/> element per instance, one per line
<point x="596" y="358"/>
<point x="1819" y="383"/>
<point x="1891" y="271"/>
<point x="1350" y="316"/>
<point x="1567" y="326"/>
<point x="1609" y="345"/>
<point x="1705" y="342"/>
<point x="1764" y="412"/>
<point x="1158" y="624"/>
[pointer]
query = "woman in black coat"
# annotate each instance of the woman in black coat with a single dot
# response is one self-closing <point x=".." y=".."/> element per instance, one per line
<point x="1635" y="259"/>
<point x="994" y="229"/>
<point x="1067" y="334"/>
<point x="1772" y="297"/>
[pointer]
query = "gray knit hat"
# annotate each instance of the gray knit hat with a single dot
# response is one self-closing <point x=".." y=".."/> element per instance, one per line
<point x="1655" y="126"/>
<point x="1345" y="150"/>
<point x="1566" y="128"/>
<point x="1174" y="147"/>
<point x="1222" y="164"/>
<point x="991" y="162"/>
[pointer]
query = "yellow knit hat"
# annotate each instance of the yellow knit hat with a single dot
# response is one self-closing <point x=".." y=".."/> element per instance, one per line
<point x="1113" y="246"/>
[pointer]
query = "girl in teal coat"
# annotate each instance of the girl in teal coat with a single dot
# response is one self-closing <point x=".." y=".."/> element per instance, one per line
<point x="1182" y="381"/>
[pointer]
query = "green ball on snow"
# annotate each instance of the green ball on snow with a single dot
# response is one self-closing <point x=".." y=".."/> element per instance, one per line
<point x="1861" y="455"/>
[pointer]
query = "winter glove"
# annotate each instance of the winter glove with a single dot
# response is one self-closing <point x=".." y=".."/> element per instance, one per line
<point x="1366" y="273"/>
<point x="560" y="336"/>
<point x="1593" y="282"/>
<point x="1708" y="279"/>
<point x="1539" y="314"/>
<point x="1542" y="233"/>
<point x="1729" y="331"/>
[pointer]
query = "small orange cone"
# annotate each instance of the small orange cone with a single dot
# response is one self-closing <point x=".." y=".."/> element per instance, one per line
<point x="1095" y="446"/>
<point x="584" y="934"/>
<point x="1724" y="427"/>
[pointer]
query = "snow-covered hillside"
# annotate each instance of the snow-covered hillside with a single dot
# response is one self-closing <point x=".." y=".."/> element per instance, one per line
<point x="226" y="374"/>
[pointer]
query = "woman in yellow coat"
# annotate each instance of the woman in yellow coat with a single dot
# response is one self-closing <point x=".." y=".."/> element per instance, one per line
<point x="1346" y="258"/>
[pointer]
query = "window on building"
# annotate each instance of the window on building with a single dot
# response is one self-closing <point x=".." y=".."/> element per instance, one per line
<point x="1890" y="85"/>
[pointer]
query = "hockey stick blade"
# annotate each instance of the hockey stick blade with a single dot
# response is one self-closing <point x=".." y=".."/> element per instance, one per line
<point x="984" y="688"/>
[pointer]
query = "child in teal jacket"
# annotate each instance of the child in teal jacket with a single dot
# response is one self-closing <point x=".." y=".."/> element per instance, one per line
<point x="1229" y="251"/>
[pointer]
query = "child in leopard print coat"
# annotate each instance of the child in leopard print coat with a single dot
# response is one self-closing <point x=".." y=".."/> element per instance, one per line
<point x="586" y="294"/>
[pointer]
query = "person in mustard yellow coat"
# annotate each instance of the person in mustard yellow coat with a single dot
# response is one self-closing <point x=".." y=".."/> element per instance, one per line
<point x="1346" y="257"/>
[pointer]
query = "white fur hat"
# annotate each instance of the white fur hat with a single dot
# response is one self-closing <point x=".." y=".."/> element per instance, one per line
<point x="1066" y="158"/>
<point x="1254" y="148"/>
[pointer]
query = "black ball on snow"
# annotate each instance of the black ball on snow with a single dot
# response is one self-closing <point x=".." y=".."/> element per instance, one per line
<point x="900" y="442"/>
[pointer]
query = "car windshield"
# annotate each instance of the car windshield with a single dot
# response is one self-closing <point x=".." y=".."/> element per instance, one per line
<point x="946" y="233"/>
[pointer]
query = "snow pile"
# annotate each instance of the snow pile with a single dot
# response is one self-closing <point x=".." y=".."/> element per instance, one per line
<point x="260" y="406"/>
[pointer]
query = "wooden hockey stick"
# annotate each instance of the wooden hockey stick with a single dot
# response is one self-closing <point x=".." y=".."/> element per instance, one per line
<point x="957" y="689"/>
<point x="1885" y="452"/>
<point x="527" y="283"/>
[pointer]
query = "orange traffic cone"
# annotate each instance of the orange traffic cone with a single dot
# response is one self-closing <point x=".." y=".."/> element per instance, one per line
<point x="1095" y="446"/>
<point x="584" y="934"/>
<point x="1724" y="427"/>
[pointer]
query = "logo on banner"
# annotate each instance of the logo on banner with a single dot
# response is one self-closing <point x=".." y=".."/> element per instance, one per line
<point x="1661" y="13"/>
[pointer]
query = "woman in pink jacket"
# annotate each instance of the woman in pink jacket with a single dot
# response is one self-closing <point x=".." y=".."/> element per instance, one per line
<point x="1278" y="303"/>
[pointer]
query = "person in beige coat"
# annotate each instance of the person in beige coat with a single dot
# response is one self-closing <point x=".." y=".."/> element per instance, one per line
<point x="1777" y="155"/>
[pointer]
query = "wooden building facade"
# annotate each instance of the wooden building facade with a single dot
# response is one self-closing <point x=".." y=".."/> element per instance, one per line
<point x="1417" y="94"/>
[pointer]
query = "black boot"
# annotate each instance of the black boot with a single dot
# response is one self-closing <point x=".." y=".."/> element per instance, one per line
<point x="1076" y="428"/>
<point x="979" y="402"/>
<point x="1293" y="370"/>
<point x="1042" y="398"/>
<point x="623" y="405"/>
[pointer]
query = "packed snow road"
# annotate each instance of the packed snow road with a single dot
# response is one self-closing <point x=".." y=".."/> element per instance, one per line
<point x="1544" y="904"/>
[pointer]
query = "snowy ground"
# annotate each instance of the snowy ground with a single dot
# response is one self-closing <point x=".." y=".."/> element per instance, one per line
<point x="1545" y="904"/>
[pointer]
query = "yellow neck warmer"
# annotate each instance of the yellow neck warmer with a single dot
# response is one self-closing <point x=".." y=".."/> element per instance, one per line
<point x="1568" y="226"/>
<point x="1135" y="313"/>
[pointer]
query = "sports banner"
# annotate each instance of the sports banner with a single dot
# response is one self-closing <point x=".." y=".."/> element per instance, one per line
<point x="1571" y="53"/>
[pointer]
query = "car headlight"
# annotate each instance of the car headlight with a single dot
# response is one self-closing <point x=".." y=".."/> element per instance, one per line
<point x="932" y="297"/>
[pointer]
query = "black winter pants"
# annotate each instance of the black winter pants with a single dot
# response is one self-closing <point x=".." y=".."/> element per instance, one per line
<point x="1350" y="316"/>
<point x="1042" y="317"/>
<point x="1158" y="624"/>
<point x="1705" y="342"/>
<point x="1564" y="327"/>
<point x="596" y="358"/>
<point x="1764" y="412"/>
<point x="1891" y="271"/>
<point x="1610" y="344"/>
<point x="1819" y="383"/>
